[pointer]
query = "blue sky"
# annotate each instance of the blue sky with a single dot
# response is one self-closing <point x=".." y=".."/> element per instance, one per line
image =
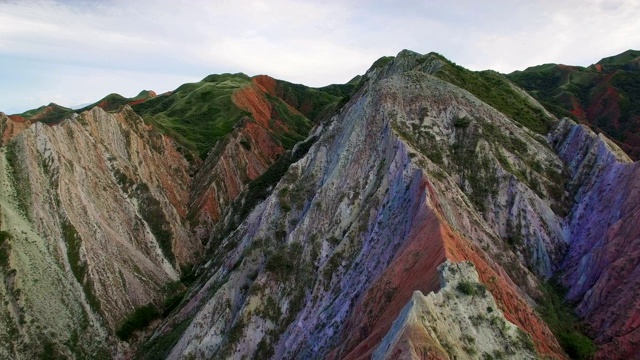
<point x="76" y="52"/>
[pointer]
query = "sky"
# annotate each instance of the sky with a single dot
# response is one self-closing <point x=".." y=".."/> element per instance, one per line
<point x="76" y="52"/>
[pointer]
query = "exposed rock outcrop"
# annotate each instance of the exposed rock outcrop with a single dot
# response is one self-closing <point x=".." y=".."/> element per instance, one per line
<point x="460" y="321"/>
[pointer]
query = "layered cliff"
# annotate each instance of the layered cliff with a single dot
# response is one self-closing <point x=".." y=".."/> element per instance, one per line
<point x="93" y="212"/>
<point x="116" y="211"/>
<point x="601" y="267"/>
<point x="461" y="320"/>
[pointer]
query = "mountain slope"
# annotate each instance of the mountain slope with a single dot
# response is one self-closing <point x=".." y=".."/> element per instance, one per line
<point x="601" y="267"/>
<point x="364" y="212"/>
<point x="93" y="212"/>
<point x="113" y="205"/>
<point x="603" y="95"/>
<point x="415" y="212"/>
<point x="199" y="114"/>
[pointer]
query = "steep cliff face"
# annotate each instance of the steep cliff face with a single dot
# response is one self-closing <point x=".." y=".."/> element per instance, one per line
<point x="11" y="126"/>
<point x="601" y="267"/>
<point x="324" y="265"/>
<point x="93" y="217"/>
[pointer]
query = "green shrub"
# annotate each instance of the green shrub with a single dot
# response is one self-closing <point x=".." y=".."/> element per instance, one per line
<point x="280" y="264"/>
<point x="5" y="246"/>
<point x="470" y="288"/>
<point x="466" y="288"/>
<point x="563" y="322"/>
<point x="462" y="122"/>
<point x="138" y="320"/>
<point x="577" y="345"/>
<point x="151" y="211"/>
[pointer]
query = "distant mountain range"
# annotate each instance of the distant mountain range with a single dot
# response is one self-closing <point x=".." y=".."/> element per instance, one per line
<point x="605" y="96"/>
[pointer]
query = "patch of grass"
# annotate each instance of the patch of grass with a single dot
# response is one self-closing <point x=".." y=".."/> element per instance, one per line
<point x="381" y="62"/>
<point x="496" y="90"/>
<point x="78" y="267"/>
<point x="74" y="242"/>
<point x="50" y="114"/>
<point x="197" y="114"/>
<point x="160" y="346"/>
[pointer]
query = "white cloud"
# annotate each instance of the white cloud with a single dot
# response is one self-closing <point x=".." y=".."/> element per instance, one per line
<point x="156" y="43"/>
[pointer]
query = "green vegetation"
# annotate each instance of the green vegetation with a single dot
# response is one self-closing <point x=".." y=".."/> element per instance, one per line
<point x="620" y="59"/>
<point x="313" y="103"/>
<point x="49" y="351"/>
<point x="197" y="114"/>
<point x="471" y="288"/>
<point x="139" y="319"/>
<point x="174" y="293"/>
<point x="200" y="114"/>
<point x="462" y="122"/>
<point x="260" y="188"/>
<point x="611" y="92"/>
<point x="160" y="346"/>
<point x="563" y="322"/>
<point x="151" y="211"/>
<point x="74" y="242"/>
<point x="78" y="267"/>
<point x="299" y="126"/>
<point x="280" y="264"/>
<point x="19" y="178"/>
<point x="50" y="114"/>
<point x="476" y="168"/>
<point x="497" y="91"/>
<point x="381" y="62"/>
<point x="5" y="249"/>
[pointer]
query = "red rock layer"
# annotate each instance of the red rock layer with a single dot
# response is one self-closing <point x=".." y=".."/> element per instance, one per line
<point x="244" y="156"/>
<point x="431" y="242"/>
<point x="11" y="126"/>
<point x="250" y="98"/>
<point x="224" y="175"/>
